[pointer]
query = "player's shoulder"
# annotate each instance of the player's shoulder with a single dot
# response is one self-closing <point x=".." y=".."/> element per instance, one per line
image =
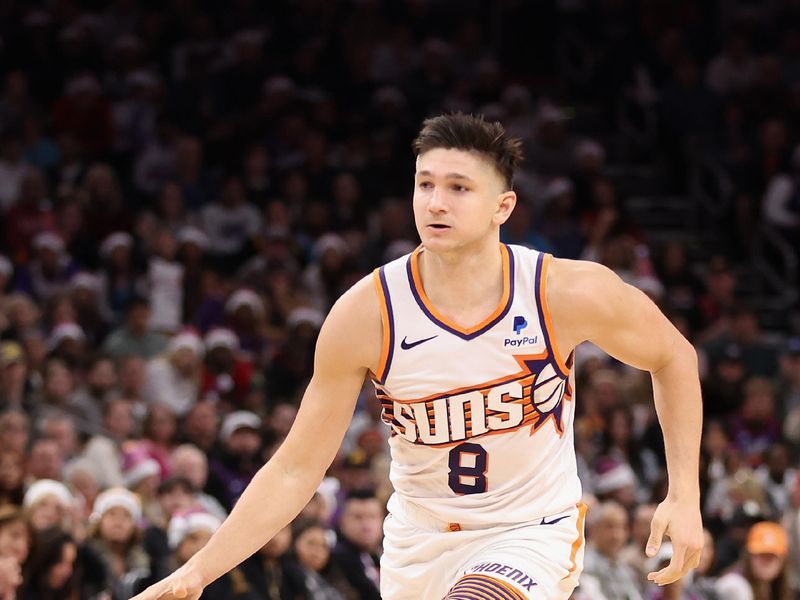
<point x="581" y="289"/>
<point x="354" y="323"/>
<point x="570" y="276"/>
<point x="359" y="305"/>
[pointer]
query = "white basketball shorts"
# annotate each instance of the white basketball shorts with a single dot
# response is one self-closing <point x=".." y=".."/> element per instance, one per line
<point x="425" y="559"/>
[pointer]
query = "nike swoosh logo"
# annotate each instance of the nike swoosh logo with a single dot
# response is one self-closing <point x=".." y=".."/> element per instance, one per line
<point x="408" y="345"/>
<point x="554" y="521"/>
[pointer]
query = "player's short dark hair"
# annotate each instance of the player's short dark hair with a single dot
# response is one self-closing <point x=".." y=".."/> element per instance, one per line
<point x="472" y="133"/>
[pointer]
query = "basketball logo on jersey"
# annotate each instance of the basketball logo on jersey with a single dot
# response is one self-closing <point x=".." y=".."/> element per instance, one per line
<point x="532" y="396"/>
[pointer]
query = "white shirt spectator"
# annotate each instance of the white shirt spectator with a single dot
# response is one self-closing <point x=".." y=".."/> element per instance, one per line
<point x="164" y="385"/>
<point x="229" y="228"/>
<point x="11" y="176"/>
<point x="165" y="282"/>
<point x="780" y="192"/>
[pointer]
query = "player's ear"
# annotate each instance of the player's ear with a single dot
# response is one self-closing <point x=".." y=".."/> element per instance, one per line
<point x="505" y="205"/>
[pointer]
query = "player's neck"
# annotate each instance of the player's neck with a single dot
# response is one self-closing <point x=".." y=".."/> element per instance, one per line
<point x="466" y="279"/>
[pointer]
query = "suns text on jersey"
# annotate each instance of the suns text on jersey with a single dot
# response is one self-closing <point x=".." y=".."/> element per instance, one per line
<point x="480" y="410"/>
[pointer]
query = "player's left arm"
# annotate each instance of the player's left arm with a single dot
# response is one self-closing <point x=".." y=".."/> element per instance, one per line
<point x="589" y="302"/>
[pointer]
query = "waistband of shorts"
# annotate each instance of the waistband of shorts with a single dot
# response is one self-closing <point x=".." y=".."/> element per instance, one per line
<point x="418" y="516"/>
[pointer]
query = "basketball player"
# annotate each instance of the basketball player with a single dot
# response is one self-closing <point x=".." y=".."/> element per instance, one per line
<point x="470" y="345"/>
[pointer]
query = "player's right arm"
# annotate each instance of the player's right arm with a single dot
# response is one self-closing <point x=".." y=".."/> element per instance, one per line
<point x="348" y="348"/>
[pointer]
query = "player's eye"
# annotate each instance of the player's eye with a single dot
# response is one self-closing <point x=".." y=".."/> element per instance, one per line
<point x="459" y="188"/>
<point x="425" y="185"/>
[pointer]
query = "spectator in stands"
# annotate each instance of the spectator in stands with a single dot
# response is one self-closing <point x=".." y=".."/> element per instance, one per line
<point x="175" y="496"/>
<point x="16" y="542"/>
<point x="312" y="553"/>
<point x="781" y="206"/>
<point x="245" y="311"/>
<point x="105" y="208"/>
<point x="271" y="573"/>
<point x="633" y="553"/>
<point x="14" y="431"/>
<point x="141" y="474"/>
<point x="52" y="571"/>
<point x="48" y="503"/>
<point x="201" y="426"/>
<point x="114" y="536"/>
<point x="31" y="215"/>
<point x="238" y="460"/>
<point x="61" y="429"/>
<point x="101" y="382"/>
<point x="131" y="371"/>
<point x="759" y="356"/>
<point x="789" y="382"/>
<point x="59" y="396"/>
<point x="723" y="387"/>
<point x="90" y="311"/>
<point x="719" y="297"/>
<point x="777" y="477"/>
<point x="119" y="278"/>
<point x="734" y="68"/>
<point x="755" y="427"/>
<point x="102" y="453"/>
<point x="45" y="459"/>
<point x="293" y="363"/>
<point x="6" y="276"/>
<point x="159" y="436"/>
<point x="173" y="380"/>
<point x="357" y="551"/>
<point x="603" y="570"/>
<point x="24" y="317"/>
<point x="190" y="463"/>
<point x="764" y="568"/>
<point x="50" y="270"/>
<point x="13" y="169"/>
<point x="12" y="476"/>
<point x="136" y="337"/>
<point x="188" y="533"/>
<point x="231" y="222"/>
<point x="15" y="385"/>
<point x="164" y="279"/>
<point x="227" y="376"/>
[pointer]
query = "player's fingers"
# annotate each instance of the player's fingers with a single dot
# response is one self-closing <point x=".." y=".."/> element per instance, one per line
<point x="657" y="528"/>
<point x="674" y="570"/>
<point x="693" y="559"/>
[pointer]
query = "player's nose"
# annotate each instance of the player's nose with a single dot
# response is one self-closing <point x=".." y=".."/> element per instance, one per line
<point x="436" y="202"/>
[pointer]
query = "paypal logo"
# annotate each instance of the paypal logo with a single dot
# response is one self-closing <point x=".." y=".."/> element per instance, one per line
<point x="519" y="324"/>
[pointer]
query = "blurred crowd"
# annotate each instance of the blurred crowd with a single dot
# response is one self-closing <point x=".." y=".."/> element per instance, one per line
<point x="186" y="187"/>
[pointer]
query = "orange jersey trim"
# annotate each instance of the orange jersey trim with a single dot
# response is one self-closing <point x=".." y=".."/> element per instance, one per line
<point x="386" y="322"/>
<point x="548" y="320"/>
<point x="507" y="286"/>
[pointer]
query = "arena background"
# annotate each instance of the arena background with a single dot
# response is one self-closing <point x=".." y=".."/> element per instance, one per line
<point x="186" y="187"/>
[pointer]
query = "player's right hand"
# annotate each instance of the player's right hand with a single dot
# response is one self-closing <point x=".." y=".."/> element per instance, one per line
<point x="184" y="584"/>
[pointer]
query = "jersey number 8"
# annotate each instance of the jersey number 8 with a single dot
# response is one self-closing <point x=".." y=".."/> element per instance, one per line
<point x="468" y="464"/>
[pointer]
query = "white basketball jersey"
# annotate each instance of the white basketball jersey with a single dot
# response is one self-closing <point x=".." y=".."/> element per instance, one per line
<point x="481" y="418"/>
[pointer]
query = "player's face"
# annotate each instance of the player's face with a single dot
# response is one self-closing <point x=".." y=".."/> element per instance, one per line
<point x="459" y="199"/>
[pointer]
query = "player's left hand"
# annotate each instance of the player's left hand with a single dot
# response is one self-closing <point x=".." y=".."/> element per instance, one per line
<point x="681" y="521"/>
